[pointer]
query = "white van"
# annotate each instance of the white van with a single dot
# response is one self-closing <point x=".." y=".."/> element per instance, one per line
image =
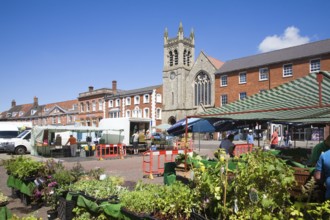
<point x="20" y="144"/>
<point x="7" y="131"/>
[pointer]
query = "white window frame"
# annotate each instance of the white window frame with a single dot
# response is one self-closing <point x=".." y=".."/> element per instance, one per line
<point x="263" y="74"/>
<point x="88" y="107"/>
<point x="136" y="100"/>
<point x="117" y="102"/>
<point x="240" y="77"/>
<point x="137" y="112"/>
<point x="93" y="105"/>
<point x="158" y="113"/>
<point x="100" y="104"/>
<point x="110" y="103"/>
<point x="128" y="100"/>
<point x="315" y="65"/>
<point x="241" y="94"/>
<point x="223" y="81"/>
<point x="146" y="98"/>
<point x="146" y="113"/>
<point x="59" y="119"/>
<point x="222" y="99"/>
<point x="159" y="98"/>
<point x="287" y="70"/>
<point x="128" y="113"/>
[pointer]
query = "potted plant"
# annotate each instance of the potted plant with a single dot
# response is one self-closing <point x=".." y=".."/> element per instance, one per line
<point x="3" y="200"/>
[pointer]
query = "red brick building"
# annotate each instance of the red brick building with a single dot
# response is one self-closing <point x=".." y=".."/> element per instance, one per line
<point x="59" y="113"/>
<point x="246" y="76"/>
<point x="138" y="103"/>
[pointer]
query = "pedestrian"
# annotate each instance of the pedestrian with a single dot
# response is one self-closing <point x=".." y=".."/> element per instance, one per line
<point x="286" y="138"/>
<point x="322" y="172"/>
<point x="318" y="149"/>
<point x="135" y="137"/>
<point x="274" y="139"/>
<point x="73" y="145"/>
<point x="250" y="138"/>
<point x="228" y="145"/>
<point x="148" y="139"/>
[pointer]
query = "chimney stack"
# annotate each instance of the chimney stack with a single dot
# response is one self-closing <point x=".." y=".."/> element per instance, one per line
<point x="114" y="86"/>
<point x="35" y="101"/>
<point x="90" y="88"/>
<point x="13" y="103"/>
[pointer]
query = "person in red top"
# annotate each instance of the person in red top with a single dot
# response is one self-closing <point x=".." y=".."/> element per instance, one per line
<point x="73" y="145"/>
<point x="274" y="140"/>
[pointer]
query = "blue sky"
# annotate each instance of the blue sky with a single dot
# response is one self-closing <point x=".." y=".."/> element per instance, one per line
<point x="55" y="49"/>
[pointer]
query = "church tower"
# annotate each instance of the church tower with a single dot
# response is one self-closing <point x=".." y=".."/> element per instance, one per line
<point x="179" y="55"/>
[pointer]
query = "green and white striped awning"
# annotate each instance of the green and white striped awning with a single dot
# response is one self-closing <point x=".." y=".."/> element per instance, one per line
<point x="297" y="100"/>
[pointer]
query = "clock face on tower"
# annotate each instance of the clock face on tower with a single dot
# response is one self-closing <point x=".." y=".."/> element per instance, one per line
<point x="172" y="75"/>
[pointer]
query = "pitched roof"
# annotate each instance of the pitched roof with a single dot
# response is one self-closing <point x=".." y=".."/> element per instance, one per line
<point x="295" y="100"/>
<point x="306" y="50"/>
<point x="216" y="63"/>
<point x="139" y="91"/>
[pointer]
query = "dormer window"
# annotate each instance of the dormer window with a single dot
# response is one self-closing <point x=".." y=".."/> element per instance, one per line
<point x="14" y="114"/>
<point x="33" y="111"/>
<point x="21" y="113"/>
<point x="8" y="115"/>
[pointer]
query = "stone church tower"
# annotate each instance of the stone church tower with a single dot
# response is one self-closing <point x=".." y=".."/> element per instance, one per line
<point x="187" y="84"/>
<point x="179" y="55"/>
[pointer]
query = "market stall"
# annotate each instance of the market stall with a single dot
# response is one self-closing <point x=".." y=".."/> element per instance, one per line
<point x="51" y="140"/>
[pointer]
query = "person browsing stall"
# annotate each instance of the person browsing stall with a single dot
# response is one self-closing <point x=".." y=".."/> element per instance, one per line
<point x="228" y="145"/>
<point x="322" y="172"/>
<point x="318" y="149"/>
<point x="73" y="145"/>
<point x="250" y="138"/>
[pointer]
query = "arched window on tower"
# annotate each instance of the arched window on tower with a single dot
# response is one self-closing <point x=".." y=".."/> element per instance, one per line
<point x="171" y="58"/>
<point x="188" y="58"/>
<point x="176" y="57"/>
<point x="184" y="57"/>
<point x="202" y="89"/>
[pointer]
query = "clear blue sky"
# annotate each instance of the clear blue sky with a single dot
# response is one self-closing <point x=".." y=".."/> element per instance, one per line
<point x="55" y="49"/>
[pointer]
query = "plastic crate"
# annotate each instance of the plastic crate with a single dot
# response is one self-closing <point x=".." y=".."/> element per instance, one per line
<point x="65" y="208"/>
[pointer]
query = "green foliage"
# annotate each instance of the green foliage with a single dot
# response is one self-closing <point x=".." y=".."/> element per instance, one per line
<point x="267" y="178"/>
<point x="22" y="167"/>
<point x="15" y="217"/>
<point x="96" y="173"/>
<point x="175" y="201"/>
<point x="3" y="198"/>
<point x="77" y="171"/>
<point x="209" y="185"/>
<point x="142" y="199"/>
<point x="63" y="177"/>
<point x="99" y="189"/>
<point x="166" y="202"/>
<point x="307" y="190"/>
<point x="83" y="214"/>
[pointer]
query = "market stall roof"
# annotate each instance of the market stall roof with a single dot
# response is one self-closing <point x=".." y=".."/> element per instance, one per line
<point x="63" y="128"/>
<point x="299" y="100"/>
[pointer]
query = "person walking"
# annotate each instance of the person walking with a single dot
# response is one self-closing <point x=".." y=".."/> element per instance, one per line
<point x="286" y="138"/>
<point x="274" y="140"/>
<point x="73" y="145"/>
<point x="136" y="142"/>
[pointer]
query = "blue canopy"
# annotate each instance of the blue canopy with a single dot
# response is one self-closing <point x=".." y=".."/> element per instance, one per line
<point x="205" y="125"/>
